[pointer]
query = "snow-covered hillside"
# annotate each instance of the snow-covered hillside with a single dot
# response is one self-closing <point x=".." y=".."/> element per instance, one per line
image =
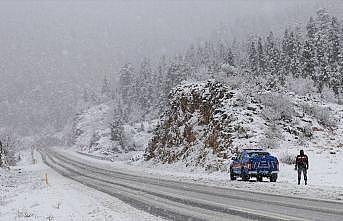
<point x="91" y="131"/>
<point x="92" y="134"/>
<point x="208" y="121"/>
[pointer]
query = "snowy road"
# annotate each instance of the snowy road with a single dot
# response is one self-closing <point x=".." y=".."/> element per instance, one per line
<point x="185" y="201"/>
<point x="25" y="196"/>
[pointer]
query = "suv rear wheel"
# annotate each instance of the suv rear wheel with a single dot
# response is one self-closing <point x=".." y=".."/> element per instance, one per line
<point x="273" y="177"/>
<point x="232" y="175"/>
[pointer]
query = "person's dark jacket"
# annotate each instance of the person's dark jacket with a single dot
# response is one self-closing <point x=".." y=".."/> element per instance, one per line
<point x="301" y="162"/>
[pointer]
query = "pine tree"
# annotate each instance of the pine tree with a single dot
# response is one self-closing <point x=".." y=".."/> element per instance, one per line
<point x="309" y="55"/>
<point x="334" y="55"/>
<point x="160" y="76"/>
<point x="177" y="71"/>
<point x="260" y="57"/>
<point x="297" y="47"/>
<point x="252" y="58"/>
<point x="272" y="59"/>
<point x="191" y="56"/>
<point x="323" y="23"/>
<point x="85" y="95"/>
<point x="229" y="57"/>
<point x="144" y="86"/>
<point x="90" y="96"/>
<point x="127" y="87"/>
<point x="210" y="53"/>
<point x="221" y="52"/>
<point x="236" y="49"/>
<point x="308" y="60"/>
<point x="116" y="126"/>
<point x="340" y="65"/>
<point x="291" y="54"/>
<point x="224" y="54"/>
<point x="171" y="78"/>
<point x="285" y="56"/>
<point x="106" y="88"/>
<point x="311" y="29"/>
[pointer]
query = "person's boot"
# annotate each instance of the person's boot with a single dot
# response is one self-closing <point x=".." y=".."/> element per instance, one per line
<point x="305" y="182"/>
<point x="298" y="182"/>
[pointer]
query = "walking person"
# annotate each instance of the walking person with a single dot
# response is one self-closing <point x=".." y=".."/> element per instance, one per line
<point x="301" y="164"/>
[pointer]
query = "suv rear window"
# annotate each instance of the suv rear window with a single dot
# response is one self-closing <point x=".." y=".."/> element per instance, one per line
<point x="259" y="154"/>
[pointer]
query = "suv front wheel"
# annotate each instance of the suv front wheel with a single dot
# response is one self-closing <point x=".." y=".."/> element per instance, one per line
<point x="259" y="178"/>
<point x="245" y="176"/>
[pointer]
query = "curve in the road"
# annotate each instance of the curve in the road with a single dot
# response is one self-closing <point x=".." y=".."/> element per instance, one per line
<point x="184" y="201"/>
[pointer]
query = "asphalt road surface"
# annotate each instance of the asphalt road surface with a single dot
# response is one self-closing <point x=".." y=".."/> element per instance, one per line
<point x="176" y="200"/>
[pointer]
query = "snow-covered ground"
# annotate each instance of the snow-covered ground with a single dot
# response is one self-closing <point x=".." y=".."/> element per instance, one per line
<point x="26" y="196"/>
<point x="325" y="175"/>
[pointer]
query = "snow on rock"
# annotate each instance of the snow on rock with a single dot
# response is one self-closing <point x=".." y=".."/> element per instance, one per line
<point x="198" y="128"/>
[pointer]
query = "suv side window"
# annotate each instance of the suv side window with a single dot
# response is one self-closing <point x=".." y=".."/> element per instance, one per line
<point x="240" y="156"/>
<point x="244" y="156"/>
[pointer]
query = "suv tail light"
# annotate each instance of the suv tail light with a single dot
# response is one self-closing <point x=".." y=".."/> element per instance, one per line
<point x="249" y="165"/>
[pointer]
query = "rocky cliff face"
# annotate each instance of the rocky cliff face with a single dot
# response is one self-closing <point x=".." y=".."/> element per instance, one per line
<point x="197" y="129"/>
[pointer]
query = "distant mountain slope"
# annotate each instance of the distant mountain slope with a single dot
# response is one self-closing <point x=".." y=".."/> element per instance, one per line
<point x="92" y="133"/>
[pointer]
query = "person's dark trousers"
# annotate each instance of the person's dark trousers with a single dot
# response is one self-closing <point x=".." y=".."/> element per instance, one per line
<point x="304" y="171"/>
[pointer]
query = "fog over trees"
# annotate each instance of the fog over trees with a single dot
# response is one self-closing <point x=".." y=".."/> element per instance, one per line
<point x="53" y="53"/>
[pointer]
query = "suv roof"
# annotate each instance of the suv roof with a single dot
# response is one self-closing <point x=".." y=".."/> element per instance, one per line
<point x="253" y="149"/>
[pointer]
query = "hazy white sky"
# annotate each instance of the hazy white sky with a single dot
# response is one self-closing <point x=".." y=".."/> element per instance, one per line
<point x="58" y="47"/>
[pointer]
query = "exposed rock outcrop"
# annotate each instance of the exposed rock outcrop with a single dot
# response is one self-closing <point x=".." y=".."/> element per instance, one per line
<point x="197" y="128"/>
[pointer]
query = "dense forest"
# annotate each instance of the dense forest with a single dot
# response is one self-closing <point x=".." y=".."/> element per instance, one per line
<point x="313" y="53"/>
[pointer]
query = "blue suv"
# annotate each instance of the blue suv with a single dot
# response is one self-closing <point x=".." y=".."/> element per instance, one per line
<point x="254" y="163"/>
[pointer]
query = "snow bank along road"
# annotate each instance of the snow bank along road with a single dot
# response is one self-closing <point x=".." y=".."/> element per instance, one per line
<point x="185" y="201"/>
